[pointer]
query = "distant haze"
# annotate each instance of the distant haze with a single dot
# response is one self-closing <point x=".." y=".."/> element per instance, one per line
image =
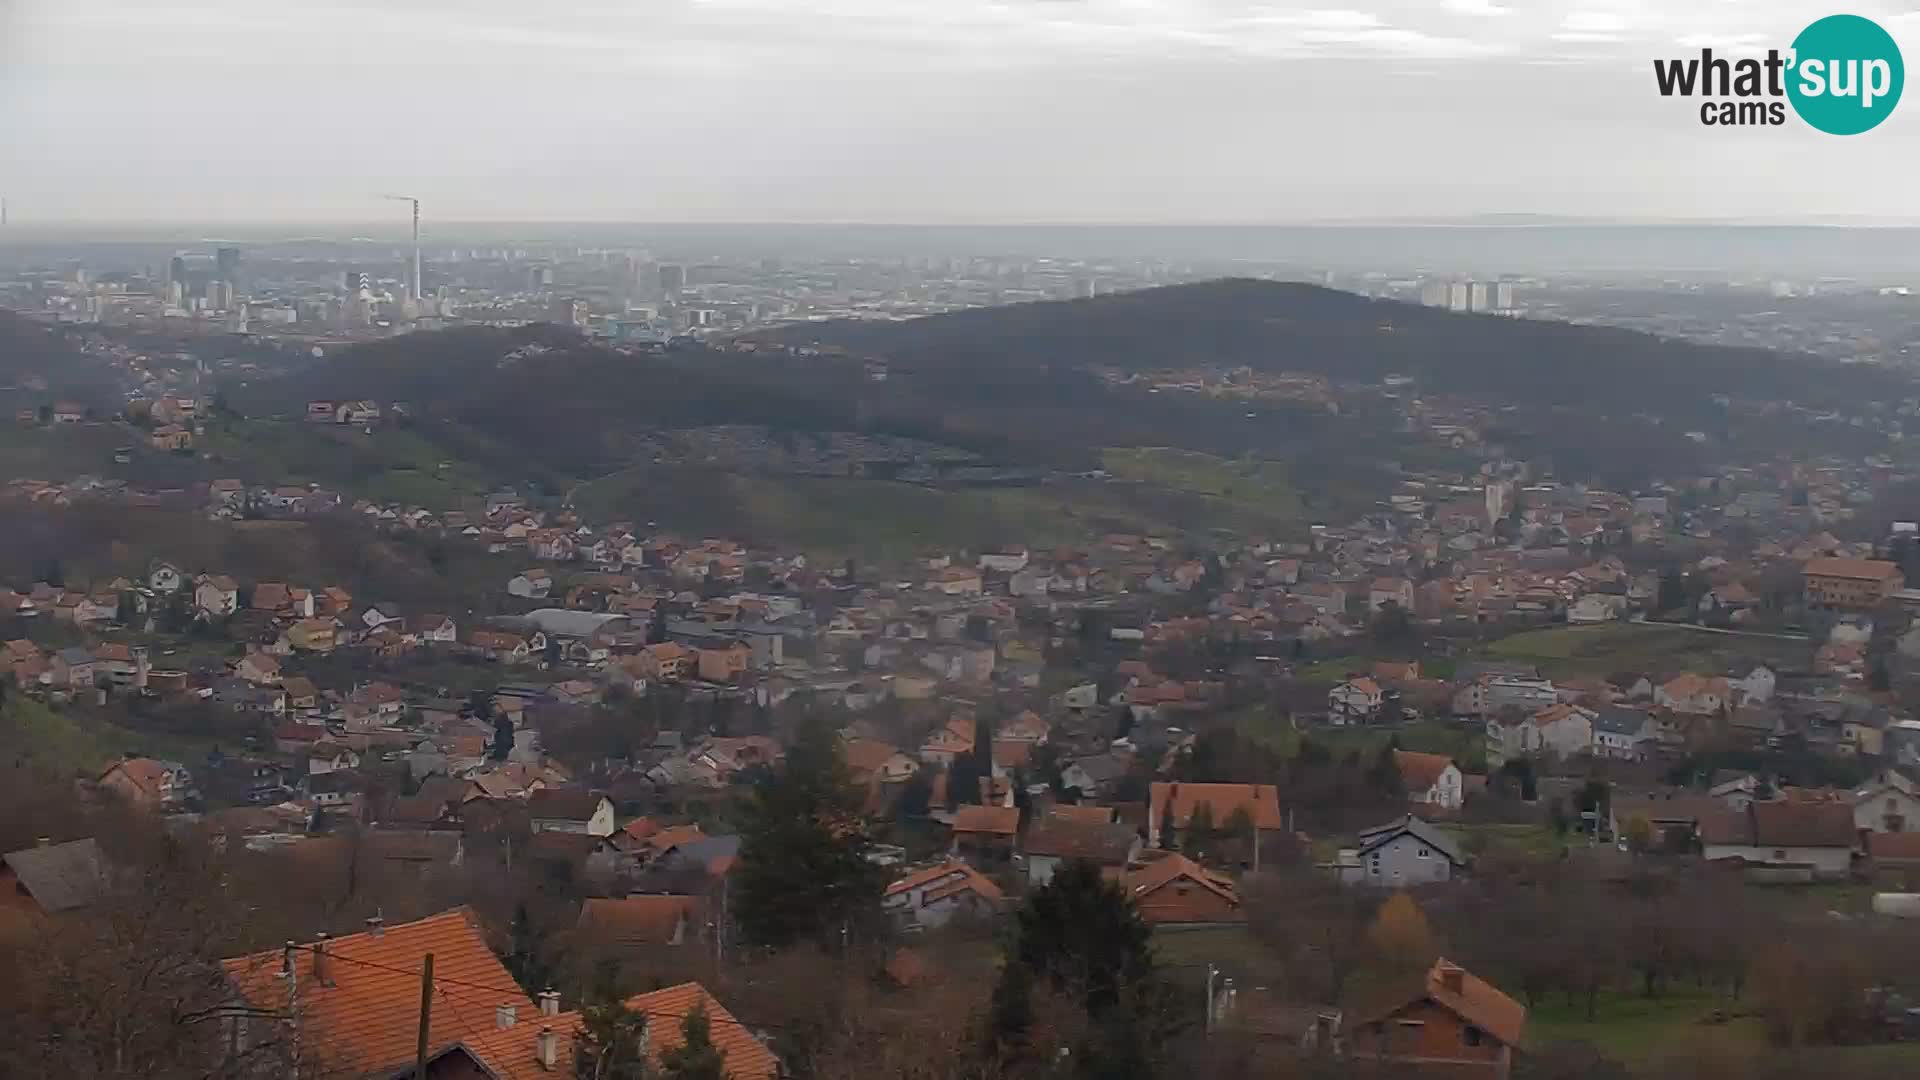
<point x="906" y="111"/>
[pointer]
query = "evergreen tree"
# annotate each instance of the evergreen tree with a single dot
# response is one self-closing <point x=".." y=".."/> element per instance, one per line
<point x="1199" y="837"/>
<point x="502" y="738"/>
<point x="1080" y="932"/>
<point x="612" y="1042"/>
<point x="803" y="867"/>
<point x="696" y="1058"/>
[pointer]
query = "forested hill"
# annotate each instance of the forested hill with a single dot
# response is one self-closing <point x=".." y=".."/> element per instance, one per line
<point x="29" y="350"/>
<point x="1281" y="326"/>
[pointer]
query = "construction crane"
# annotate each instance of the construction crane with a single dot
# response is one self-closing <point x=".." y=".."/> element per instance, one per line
<point x="416" y="284"/>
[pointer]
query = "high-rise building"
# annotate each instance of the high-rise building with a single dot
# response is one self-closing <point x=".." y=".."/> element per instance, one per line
<point x="226" y="264"/>
<point x="1477" y="296"/>
<point x="1433" y="293"/>
<point x="177" y="271"/>
<point x="673" y="278"/>
<point x="1503" y="296"/>
<point x="1459" y="296"/>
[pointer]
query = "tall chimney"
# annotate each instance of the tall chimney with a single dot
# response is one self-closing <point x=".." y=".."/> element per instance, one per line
<point x="286" y="959"/>
<point x="320" y="972"/>
<point x="504" y="1016"/>
<point x="549" y="1002"/>
<point x="376" y="926"/>
<point x="1452" y="978"/>
<point x="546" y="1047"/>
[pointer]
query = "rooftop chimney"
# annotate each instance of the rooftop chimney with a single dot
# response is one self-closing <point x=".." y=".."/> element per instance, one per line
<point x="503" y="1016"/>
<point x="376" y="926"/>
<point x="549" y="1002"/>
<point x="43" y="841"/>
<point x="546" y="1047"/>
<point x="320" y="972"/>
<point x="286" y="958"/>
<point x="1452" y="978"/>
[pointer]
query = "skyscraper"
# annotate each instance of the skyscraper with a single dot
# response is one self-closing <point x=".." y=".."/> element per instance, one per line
<point x="673" y="278"/>
<point x="177" y="271"/>
<point x="226" y="264"/>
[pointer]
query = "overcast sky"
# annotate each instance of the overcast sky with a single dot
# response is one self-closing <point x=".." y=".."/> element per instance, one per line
<point x="910" y="111"/>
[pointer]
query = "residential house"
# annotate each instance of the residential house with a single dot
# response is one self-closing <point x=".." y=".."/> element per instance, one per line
<point x="302" y="695"/>
<point x="1621" y="734"/>
<point x="955" y="581"/>
<point x="1404" y="852"/>
<point x="50" y="879"/>
<point x="1817" y="838"/>
<point x="1005" y="561"/>
<point x="1430" y="779"/>
<point x="724" y="664"/>
<point x="1889" y="804"/>
<point x="1455" y="1023"/>
<point x="1355" y="701"/>
<point x="570" y="811"/>
<point x="1095" y="775"/>
<point x="1494" y="692"/>
<point x="1396" y="591"/>
<point x="534" y="584"/>
<point x="259" y="668"/>
<point x="1170" y="890"/>
<point x="984" y="834"/>
<point x="148" y="784"/>
<point x="165" y="578"/>
<point x="216" y="596"/>
<point x="615" y="924"/>
<point x="350" y="1001"/>
<point x="937" y="895"/>
<point x="1849" y="584"/>
<point x="499" y="646"/>
<point x="870" y="760"/>
<point x="433" y="629"/>
<point x="72" y="668"/>
<point x="317" y="635"/>
<point x="1697" y="695"/>
<point x="1055" y="839"/>
<point x="1562" y="730"/>
<point x="1174" y="804"/>
<point x="949" y="742"/>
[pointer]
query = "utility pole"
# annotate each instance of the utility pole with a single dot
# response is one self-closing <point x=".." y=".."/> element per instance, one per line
<point x="426" y="1018"/>
<point x="1211" y="972"/>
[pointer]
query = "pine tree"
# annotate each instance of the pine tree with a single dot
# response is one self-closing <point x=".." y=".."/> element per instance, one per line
<point x="502" y="746"/>
<point x="696" y="1058"/>
<point x="803" y="867"/>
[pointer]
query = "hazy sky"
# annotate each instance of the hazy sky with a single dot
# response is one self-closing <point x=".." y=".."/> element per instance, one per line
<point x="909" y="111"/>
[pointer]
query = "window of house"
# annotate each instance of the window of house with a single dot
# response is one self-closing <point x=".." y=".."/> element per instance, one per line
<point x="1424" y="853"/>
<point x="1780" y="854"/>
<point x="1472" y="1035"/>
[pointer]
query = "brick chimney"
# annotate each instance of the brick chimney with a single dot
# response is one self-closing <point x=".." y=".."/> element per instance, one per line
<point x="504" y="1016"/>
<point x="546" y="1048"/>
<point x="1452" y="977"/>
<point x="549" y="1002"/>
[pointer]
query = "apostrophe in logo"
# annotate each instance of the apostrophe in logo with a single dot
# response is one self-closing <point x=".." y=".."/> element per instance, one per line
<point x="1847" y="75"/>
<point x="1843" y="75"/>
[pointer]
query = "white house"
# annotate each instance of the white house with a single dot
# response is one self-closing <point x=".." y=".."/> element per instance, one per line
<point x="1403" y="852"/>
<point x="1355" y="701"/>
<point x="1753" y="688"/>
<point x="1384" y="591"/>
<point x="165" y="578"/>
<point x="1887" y="805"/>
<point x="1431" y="779"/>
<point x="1621" y="734"/>
<point x="935" y="896"/>
<point x="1695" y="694"/>
<point x="216" y="596"/>
<point x="1005" y="561"/>
<point x="1596" y="608"/>
<point x="561" y="810"/>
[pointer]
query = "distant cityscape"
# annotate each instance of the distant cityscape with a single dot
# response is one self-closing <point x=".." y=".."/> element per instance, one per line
<point x="330" y="291"/>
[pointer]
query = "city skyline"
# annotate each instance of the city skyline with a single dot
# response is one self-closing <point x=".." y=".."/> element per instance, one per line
<point x="838" y="111"/>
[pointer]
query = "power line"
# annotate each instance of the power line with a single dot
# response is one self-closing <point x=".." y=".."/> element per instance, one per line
<point x="520" y="993"/>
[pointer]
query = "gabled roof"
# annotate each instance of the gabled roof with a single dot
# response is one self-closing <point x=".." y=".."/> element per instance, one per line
<point x="1261" y="802"/>
<point x="965" y="879"/>
<point x="365" y="1004"/>
<point x="1783" y="824"/>
<point x="563" y="804"/>
<point x="1420" y="771"/>
<point x="1467" y="996"/>
<point x="60" y="877"/>
<point x="994" y="820"/>
<point x="1066" y="838"/>
<point x="1430" y="835"/>
<point x="640" y="920"/>
<point x="1164" y="868"/>
<point x="1856" y="569"/>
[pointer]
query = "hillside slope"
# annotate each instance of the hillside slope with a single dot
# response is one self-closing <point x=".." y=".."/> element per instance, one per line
<point x="1280" y="326"/>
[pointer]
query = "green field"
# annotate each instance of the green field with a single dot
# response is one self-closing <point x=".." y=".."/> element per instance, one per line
<point x="1262" y="488"/>
<point x="68" y="743"/>
<point x="389" y="465"/>
<point x="1654" y="648"/>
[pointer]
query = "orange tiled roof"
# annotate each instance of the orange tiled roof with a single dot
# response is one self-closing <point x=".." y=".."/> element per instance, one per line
<point x="746" y="1057"/>
<point x="365" y="1015"/>
<point x="1856" y="569"/>
<point x="1420" y="771"/>
<point x="998" y="820"/>
<point x="640" y="920"/>
<point x="1261" y="802"/>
